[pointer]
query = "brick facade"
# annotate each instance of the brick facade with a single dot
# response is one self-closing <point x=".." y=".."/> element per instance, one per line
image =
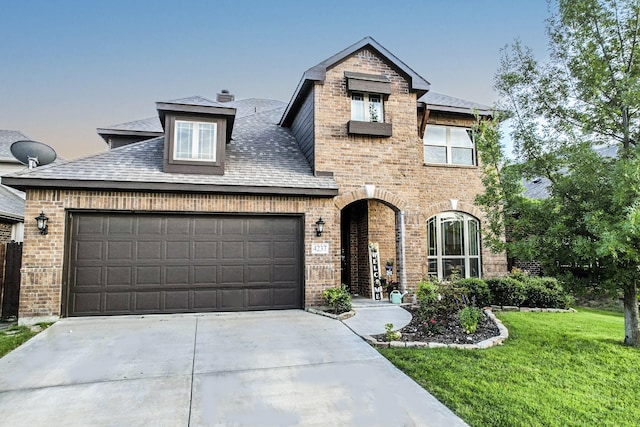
<point x="43" y="255"/>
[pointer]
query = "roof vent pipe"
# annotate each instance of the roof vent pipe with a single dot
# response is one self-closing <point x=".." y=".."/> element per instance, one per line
<point x="225" y="96"/>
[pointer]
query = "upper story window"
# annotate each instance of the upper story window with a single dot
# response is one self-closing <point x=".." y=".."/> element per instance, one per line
<point x="449" y="145"/>
<point x="195" y="141"/>
<point x="367" y="107"/>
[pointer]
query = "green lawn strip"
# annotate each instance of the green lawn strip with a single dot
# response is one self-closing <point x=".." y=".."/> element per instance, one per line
<point x="556" y="369"/>
<point x="15" y="336"/>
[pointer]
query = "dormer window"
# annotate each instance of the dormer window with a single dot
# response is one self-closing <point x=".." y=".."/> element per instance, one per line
<point x="367" y="107"/>
<point x="195" y="141"/>
<point x="368" y="93"/>
<point x="196" y="131"/>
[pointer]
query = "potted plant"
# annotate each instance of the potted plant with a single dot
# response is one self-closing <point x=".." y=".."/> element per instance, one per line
<point x="389" y="267"/>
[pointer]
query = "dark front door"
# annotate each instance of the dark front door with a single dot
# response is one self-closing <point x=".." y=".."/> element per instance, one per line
<point x="164" y="263"/>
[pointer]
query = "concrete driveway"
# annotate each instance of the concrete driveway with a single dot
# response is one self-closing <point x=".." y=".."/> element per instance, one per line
<point x="278" y="368"/>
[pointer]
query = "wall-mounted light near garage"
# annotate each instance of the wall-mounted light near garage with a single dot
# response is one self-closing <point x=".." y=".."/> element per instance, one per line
<point x="41" y="222"/>
<point x="319" y="227"/>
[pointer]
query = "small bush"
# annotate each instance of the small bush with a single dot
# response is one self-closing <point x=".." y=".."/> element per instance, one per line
<point x="427" y="292"/>
<point x="545" y="292"/>
<point x="476" y="289"/>
<point x="507" y="291"/>
<point x="338" y="299"/>
<point x="469" y="318"/>
<point x="390" y="333"/>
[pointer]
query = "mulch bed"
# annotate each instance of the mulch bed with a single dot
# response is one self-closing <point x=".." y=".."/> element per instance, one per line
<point x="449" y="331"/>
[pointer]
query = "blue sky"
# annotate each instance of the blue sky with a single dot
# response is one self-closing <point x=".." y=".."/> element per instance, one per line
<point x="67" y="67"/>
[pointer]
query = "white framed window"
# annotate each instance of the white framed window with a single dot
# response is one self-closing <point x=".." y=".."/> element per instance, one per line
<point x="449" y="145"/>
<point x="195" y="141"/>
<point x="453" y="245"/>
<point x="367" y="107"/>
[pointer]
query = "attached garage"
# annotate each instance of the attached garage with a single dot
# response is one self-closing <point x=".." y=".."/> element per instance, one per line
<point x="139" y="263"/>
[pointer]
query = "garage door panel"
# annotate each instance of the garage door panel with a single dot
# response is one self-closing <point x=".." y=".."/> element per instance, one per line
<point x="147" y="301"/>
<point x="232" y="274"/>
<point x="205" y="250"/>
<point x="149" y="251"/>
<point x="150" y="225"/>
<point x="258" y="250"/>
<point x="178" y="275"/>
<point x="259" y="274"/>
<point x="148" y="275"/>
<point x="118" y="302"/>
<point x="162" y="263"/>
<point x="205" y="299"/>
<point x="89" y="225"/>
<point x="119" y="276"/>
<point x="87" y="303"/>
<point x="121" y="225"/>
<point x="232" y="299"/>
<point x="88" y="277"/>
<point x="179" y="250"/>
<point x="119" y="250"/>
<point x="176" y="300"/>
<point x="89" y="250"/>
<point x="205" y="274"/>
<point x="233" y="250"/>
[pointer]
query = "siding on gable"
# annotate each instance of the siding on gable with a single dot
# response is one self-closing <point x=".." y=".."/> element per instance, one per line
<point x="303" y="129"/>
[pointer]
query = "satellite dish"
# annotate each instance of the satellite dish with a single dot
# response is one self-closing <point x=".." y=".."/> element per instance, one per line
<point x="33" y="153"/>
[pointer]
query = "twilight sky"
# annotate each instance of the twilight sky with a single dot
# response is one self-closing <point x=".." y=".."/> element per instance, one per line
<point x="68" y="67"/>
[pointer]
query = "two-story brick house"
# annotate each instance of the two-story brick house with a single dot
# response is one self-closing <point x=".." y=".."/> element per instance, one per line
<point x="218" y="205"/>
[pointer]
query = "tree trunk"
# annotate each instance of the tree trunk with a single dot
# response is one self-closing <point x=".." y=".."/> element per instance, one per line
<point x="631" y="316"/>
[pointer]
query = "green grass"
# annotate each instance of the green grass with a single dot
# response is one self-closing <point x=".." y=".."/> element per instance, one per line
<point x="14" y="336"/>
<point x="556" y="369"/>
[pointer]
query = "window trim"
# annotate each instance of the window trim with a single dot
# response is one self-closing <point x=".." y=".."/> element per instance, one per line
<point x="449" y="147"/>
<point x="439" y="257"/>
<point x="195" y="141"/>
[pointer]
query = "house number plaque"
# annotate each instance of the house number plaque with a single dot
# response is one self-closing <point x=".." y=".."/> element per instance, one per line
<point x="319" y="249"/>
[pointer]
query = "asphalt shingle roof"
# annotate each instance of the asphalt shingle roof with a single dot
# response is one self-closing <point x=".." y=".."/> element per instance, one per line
<point x="261" y="154"/>
<point x="454" y="104"/>
<point x="11" y="203"/>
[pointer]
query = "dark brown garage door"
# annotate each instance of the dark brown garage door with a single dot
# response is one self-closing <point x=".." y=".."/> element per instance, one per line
<point x="148" y="263"/>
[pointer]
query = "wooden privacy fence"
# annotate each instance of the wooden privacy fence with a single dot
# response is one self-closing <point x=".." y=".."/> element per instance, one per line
<point x="11" y="254"/>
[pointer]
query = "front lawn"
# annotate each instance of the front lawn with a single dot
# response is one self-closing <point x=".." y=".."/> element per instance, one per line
<point x="16" y="335"/>
<point x="556" y="369"/>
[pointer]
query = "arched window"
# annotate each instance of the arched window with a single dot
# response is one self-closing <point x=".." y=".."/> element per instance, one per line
<point x="453" y="242"/>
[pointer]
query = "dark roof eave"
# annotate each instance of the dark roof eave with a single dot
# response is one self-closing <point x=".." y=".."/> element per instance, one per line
<point x="7" y="216"/>
<point x="24" y="183"/>
<point x="461" y="110"/>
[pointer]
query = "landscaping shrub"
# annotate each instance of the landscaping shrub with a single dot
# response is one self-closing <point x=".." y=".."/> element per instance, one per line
<point x="545" y="292"/>
<point x="477" y="290"/>
<point x="427" y="292"/>
<point x="469" y="317"/>
<point x="507" y="291"/>
<point x="338" y="299"/>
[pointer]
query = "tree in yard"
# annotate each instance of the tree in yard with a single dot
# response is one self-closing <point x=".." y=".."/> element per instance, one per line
<point x="585" y="96"/>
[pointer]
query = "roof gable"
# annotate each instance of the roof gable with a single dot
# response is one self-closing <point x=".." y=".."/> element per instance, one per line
<point x="318" y="73"/>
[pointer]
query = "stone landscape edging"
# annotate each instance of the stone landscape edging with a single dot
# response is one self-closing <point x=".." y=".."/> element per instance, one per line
<point x="321" y="312"/>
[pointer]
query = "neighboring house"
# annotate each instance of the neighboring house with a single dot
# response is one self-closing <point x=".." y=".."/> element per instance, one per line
<point x="11" y="200"/>
<point x="216" y="205"/>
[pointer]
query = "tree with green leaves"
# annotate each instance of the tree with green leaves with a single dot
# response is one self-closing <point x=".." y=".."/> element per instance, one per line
<point x="584" y="97"/>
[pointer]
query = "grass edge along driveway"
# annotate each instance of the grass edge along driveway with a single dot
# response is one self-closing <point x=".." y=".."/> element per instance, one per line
<point x="15" y="336"/>
<point x="556" y="369"/>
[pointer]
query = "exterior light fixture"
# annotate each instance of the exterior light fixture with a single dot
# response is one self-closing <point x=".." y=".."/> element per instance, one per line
<point x="319" y="227"/>
<point x="41" y="222"/>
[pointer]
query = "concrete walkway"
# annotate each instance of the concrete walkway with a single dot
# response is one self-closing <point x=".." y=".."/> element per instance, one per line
<point x="278" y="368"/>
<point x="372" y="316"/>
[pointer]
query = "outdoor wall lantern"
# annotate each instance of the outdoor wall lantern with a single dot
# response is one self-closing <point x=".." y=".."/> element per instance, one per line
<point x="41" y="222"/>
<point x="319" y="227"/>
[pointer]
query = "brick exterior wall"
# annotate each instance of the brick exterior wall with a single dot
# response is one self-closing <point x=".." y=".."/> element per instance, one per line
<point x="5" y="232"/>
<point x="393" y="165"/>
<point x="43" y="255"/>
